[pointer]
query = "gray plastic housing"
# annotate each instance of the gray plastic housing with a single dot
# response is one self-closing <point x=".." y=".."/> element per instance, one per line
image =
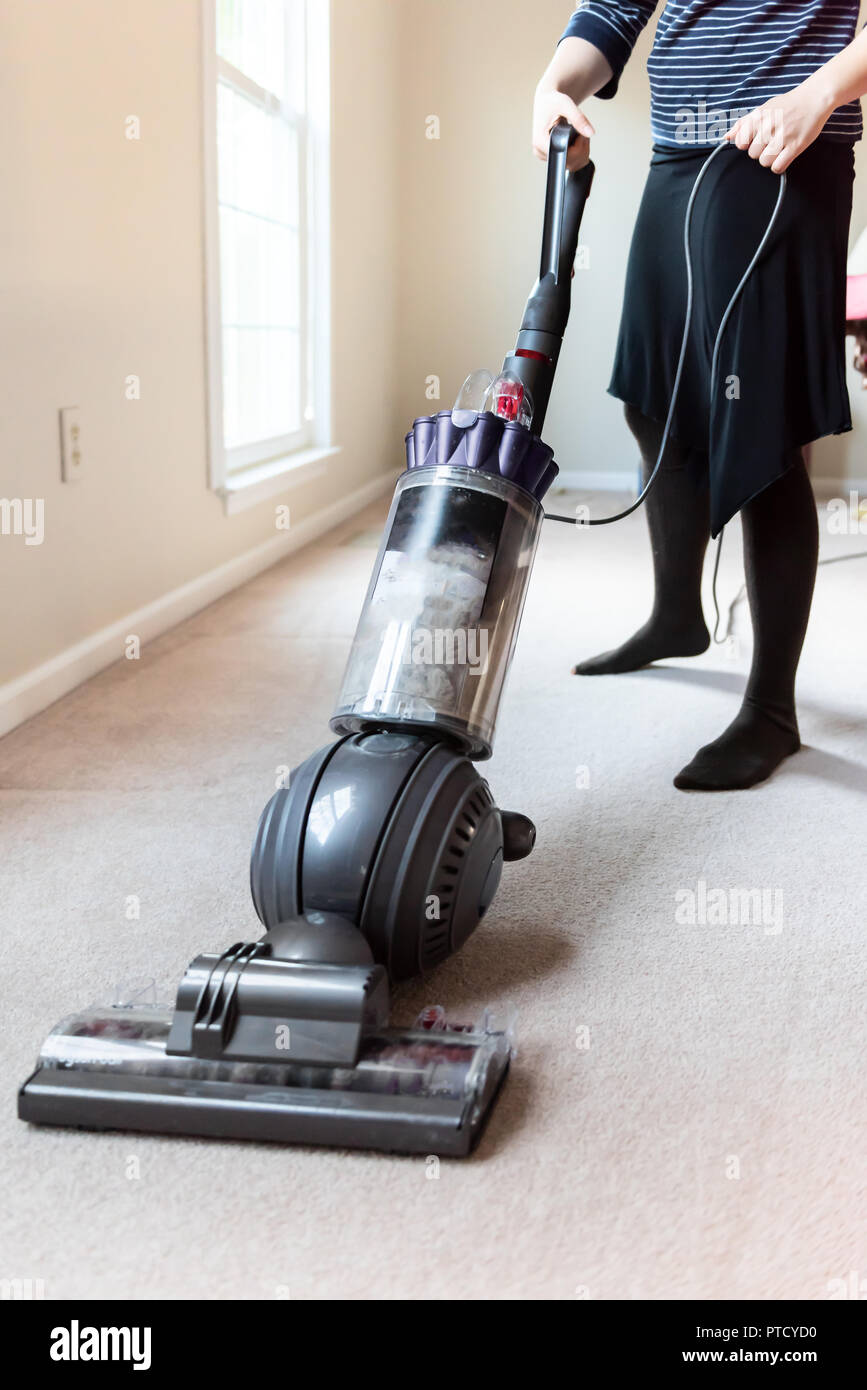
<point x="245" y="1006"/>
<point x="413" y="858"/>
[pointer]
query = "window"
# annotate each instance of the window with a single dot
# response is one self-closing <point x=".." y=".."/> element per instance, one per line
<point x="266" y="129"/>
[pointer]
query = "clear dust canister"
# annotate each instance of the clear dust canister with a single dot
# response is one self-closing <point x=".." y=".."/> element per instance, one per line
<point x="438" y="628"/>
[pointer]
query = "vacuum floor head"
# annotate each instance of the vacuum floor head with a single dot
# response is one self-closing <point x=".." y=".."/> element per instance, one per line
<point x="412" y="1091"/>
<point x="265" y="1043"/>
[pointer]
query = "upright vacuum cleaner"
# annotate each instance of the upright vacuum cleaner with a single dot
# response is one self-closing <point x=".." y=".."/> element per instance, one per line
<point x="386" y="849"/>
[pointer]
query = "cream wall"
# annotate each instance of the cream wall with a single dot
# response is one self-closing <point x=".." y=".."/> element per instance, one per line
<point x="474" y="199"/>
<point x="101" y="261"/>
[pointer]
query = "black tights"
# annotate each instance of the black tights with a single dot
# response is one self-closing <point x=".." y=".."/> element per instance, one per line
<point x="781" y="546"/>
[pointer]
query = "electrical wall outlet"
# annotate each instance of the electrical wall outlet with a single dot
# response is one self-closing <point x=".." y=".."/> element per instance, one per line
<point x="70" y="444"/>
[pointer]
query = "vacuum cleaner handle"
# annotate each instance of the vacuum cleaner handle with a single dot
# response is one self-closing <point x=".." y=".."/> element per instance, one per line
<point x="534" y="360"/>
<point x="559" y="231"/>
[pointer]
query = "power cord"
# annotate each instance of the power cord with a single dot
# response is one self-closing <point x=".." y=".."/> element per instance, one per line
<point x="687" y="226"/>
<point x="741" y="593"/>
<point x="619" y="516"/>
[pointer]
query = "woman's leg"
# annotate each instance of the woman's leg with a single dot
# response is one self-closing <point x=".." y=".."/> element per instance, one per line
<point x="677" y="511"/>
<point x="781" y="546"/>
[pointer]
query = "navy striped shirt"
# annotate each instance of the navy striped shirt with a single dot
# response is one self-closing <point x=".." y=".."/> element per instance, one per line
<point x="714" y="60"/>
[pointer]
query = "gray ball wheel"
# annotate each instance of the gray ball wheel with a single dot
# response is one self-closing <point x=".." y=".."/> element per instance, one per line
<point x="394" y="832"/>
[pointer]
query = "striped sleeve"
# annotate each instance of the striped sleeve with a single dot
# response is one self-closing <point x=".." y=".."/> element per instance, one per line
<point x="612" y="26"/>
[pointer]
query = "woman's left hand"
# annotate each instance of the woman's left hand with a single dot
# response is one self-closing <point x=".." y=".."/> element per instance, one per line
<point x="779" y="131"/>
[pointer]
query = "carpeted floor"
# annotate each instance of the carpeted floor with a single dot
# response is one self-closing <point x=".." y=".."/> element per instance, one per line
<point x="686" y="1116"/>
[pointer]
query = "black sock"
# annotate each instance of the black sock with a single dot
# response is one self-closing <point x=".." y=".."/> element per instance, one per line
<point x="678" y="521"/>
<point x="781" y="545"/>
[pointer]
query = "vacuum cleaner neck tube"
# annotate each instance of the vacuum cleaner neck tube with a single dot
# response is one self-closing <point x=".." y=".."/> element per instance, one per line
<point x="440" y="620"/>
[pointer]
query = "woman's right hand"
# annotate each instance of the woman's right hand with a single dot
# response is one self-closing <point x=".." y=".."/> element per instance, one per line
<point x="548" y="107"/>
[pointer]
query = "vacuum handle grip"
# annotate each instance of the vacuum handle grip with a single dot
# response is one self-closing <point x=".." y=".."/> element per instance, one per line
<point x="546" y="313"/>
<point x="565" y="197"/>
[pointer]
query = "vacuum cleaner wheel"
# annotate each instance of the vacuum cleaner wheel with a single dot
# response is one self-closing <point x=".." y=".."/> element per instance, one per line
<point x="393" y="831"/>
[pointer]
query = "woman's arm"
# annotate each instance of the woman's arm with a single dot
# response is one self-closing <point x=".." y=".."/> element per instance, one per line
<point x="779" y="131"/>
<point x="576" y="72"/>
<point x="593" y="51"/>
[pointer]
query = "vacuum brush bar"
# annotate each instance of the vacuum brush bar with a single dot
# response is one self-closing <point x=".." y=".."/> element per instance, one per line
<point x="412" y="1091"/>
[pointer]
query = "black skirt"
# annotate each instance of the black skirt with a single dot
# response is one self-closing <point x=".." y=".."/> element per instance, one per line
<point x="782" y="376"/>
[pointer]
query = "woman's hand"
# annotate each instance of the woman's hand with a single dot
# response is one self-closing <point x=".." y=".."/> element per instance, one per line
<point x="575" y="72"/>
<point x="548" y="107"/>
<point x="779" y="131"/>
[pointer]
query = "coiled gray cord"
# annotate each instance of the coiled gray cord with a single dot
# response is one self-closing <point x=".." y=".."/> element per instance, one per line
<point x="687" y="226"/>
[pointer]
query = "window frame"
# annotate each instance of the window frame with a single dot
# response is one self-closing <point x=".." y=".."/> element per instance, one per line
<point x="263" y="467"/>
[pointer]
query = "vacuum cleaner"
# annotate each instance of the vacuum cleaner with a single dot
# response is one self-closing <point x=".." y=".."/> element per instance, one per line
<point x="385" y="851"/>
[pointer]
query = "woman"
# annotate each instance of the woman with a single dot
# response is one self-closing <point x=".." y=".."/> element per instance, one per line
<point x="779" y="81"/>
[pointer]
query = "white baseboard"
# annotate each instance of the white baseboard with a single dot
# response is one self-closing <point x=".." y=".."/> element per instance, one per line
<point x="25" y="696"/>
<point x="579" y="480"/>
<point x="838" y="487"/>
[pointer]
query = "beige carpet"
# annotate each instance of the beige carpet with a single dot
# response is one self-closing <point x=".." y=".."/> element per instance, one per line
<point x="709" y="1142"/>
